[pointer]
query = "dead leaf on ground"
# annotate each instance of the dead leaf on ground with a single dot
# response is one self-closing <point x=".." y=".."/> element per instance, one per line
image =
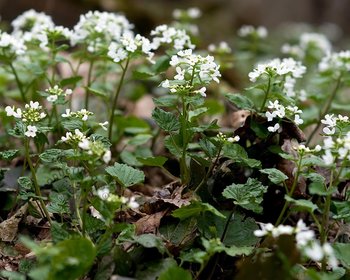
<point x="9" y="227"/>
<point x="149" y="223"/>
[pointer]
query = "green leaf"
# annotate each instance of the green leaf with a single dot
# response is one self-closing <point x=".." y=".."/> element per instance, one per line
<point x="208" y="147"/>
<point x="75" y="258"/>
<point x="12" y="275"/>
<point x="275" y="175"/>
<point x="178" y="232"/>
<point x="58" y="204"/>
<point x="125" y="175"/>
<point x="238" y="251"/>
<point x="139" y="139"/>
<point x="97" y="92"/>
<point x="142" y="75"/>
<point x="319" y="188"/>
<point x="51" y="155"/>
<point x="248" y="195"/>
<point x="175" y="273"/>
<point x="153" y="161"/>
<point x="151" y="241"/>
<point x="58" y="233"/>
<point x="195" y="209"/>
<point x="302" y="204"/>
<point x="342" y="252"/>
<point x="72" y="124"/>
<point x="25" y="182"/>
<point x="161" y="64"/>
<point x="234" y="151"/>
<point x="8" y="155"/>
<point x="196" y="113"/>
<point x="70" y="81"/>
<point x="240" y="101"/>
<point x="129" y="158"/>
<point x="166" y="120"/>
<point x="312" y="161"/>
<point x="165" y="101"/>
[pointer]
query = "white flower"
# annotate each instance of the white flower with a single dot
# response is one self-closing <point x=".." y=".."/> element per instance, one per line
<point x="328" y="158"/>
<point x="164" y="34"/>
<point x="10" y="111"/>
<point x="233" y="139"/>
<point x="68" y="91"/>
<point x="52" y="98"/>
<point x="103" y="193"/>
<point x="107" y="156"/>
<point x="180" y="73"/>
<point x="314" y="251"/>
<point x="84" y="144"/>
<point x="298" y="120"/>
<point x="248" y="30"/>
<point x="328" y="130"/>
<point x="67" y="114"/>
<point x="202" y="91"/>
<point x="31" y="131"/>
<point x="103" y="125"/>
<point x="132" y="203"/>
<point x="273" y="128"/>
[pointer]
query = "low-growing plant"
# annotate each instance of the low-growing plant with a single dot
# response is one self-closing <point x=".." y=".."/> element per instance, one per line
<point x="207" y="183"/>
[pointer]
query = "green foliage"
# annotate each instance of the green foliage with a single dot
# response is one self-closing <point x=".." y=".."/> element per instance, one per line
<point x="248" y="195"/>
<point x="125" y="175"/>
<point x="274" y="175"/>
<point x="196" y="208"/>
<point x="166" y="120"/>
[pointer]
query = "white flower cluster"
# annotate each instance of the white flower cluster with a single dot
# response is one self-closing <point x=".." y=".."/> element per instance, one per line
<point x="129" y="44"/>
<point x="223" y="138"/>
<point x="249" y="30"/>
<point x="280" y="111"/>
<point x="190" y="66"/>
<point x="287" y="68"/>
<point x="54" y="33"/>
<point x="55" y="92"/>
<point x="9" y="45"/>
<point x="337" y="62"/>
<point x="95" y="148"/>
<point x="82" y="114"/>
<point x="31" y="23"/>
<point x="98" y="29"/>
<point x="307" y="42"/>
<point x="85" y="143"/>
<point x="305" y="240"/>
<point x="192" y="13"/>
<point x="330" y="121"/>
<point x="105" y="194"/>
<point x="338" y="149"/>
<point x="192" y="69"/>
<point x="222" y="48"/>
<point x="30" y="116"/>
<point x="164" y="34"/>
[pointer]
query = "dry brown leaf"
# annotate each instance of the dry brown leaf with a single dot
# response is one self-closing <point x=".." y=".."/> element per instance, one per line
<point x="9" y="227"/>
<point x="149" y="223"/>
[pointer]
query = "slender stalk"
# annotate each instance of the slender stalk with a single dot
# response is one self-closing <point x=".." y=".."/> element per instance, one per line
<point x="183" y="164"/>
<point x="35" y="181"/>
<point x="326" y="109"/>
<point x="88" y="85"/>
<point x="114" y="103"/>
<point x="295" y="183"/>
<point x="209" y="171"/>
<point x="19" y="83"/>
<point x="267" y="91"/>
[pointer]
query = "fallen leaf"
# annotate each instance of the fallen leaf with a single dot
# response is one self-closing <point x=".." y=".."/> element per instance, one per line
<point x="9" y="227"/>
<point x="149" y="223"/>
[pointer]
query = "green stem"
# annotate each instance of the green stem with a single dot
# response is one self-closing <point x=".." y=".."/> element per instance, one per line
<point x="325" y="110"/>
<point x="19" y="83"/>
<point x="88" y="85"/>
<point x="209" y="171"/>
<point x="183" y="164"/>
<point x="35" y="181"/>
<point x="294" y="185"/>
<point x="114" y="103"/>
<point x="267" y="91"/>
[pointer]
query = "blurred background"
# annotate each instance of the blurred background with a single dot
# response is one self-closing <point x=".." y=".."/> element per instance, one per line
<point x="220" y="19"/>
